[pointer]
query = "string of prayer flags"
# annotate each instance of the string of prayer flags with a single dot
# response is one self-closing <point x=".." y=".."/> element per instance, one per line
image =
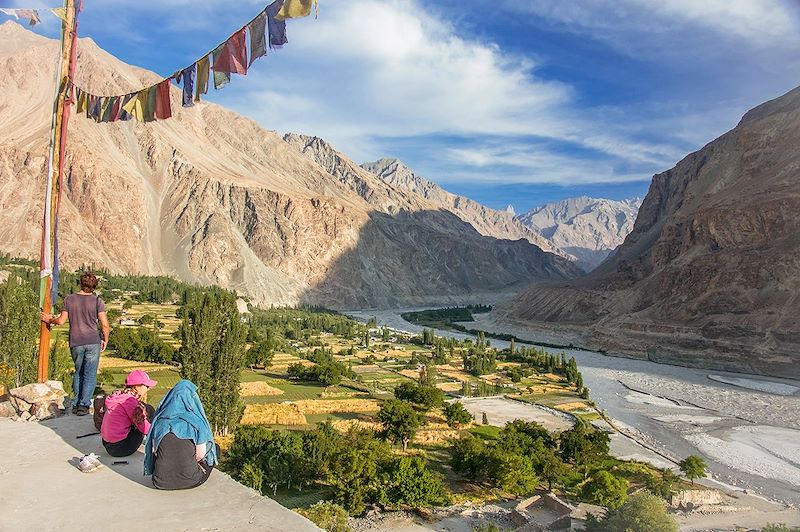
<point x="31" y="15"/>
<point x="296" y="9"/>
<point x="267" y="30"/>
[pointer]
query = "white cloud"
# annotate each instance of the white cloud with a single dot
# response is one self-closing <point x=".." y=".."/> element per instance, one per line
<point x="635" y="25"/>
<point x="372" y="69"/>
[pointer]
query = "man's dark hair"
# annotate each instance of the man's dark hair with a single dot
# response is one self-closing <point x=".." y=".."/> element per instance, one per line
<point x="88" y="282"/>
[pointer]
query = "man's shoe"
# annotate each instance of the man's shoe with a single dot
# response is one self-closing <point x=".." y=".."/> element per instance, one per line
<point x="74" y="409"/>
<point x="82" y="411"/>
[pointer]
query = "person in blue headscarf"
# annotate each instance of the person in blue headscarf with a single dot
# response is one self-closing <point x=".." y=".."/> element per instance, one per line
<point x="180" y="451"/>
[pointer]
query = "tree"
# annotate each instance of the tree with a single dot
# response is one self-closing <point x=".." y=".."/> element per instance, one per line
<point x="514" y="473"/>
<point x="212" y="355"/>
<point x="468" y="456"/>
<point x="456" y="415"/>
<point x="606" y="489"/>
<point x="583" y="445"/>
<point x="251" y="476"/>
<point x="663" y="486"/>
<point x="400" y="421"/>
<point x="408" y="483"/>
<point x="550" y="467"/>
<point x="642" y="512"/>
<point x="146" y="319"/>
<point x="127" y="305"/>
<point x="424" y="397"/>
<point x="19" y="333"/>
<point x="260" y="354"/>
<point x="693" y="467"/>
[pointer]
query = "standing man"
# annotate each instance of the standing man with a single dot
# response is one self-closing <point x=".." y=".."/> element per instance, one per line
<point x="84" y="310"/>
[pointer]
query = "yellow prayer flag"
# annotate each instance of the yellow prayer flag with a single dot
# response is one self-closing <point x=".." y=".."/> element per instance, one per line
<point x="82" y="102"/>
<point x="60" y="13"/>
<point x="296" y="9"/>
<point x="135" y="106"/>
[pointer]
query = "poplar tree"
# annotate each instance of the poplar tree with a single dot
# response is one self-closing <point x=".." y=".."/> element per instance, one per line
<point x="19" y="332"/>
<point x="212" y="355"/>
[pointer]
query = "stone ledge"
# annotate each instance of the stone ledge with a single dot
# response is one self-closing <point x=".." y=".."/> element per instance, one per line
<point x="41" y="489"/>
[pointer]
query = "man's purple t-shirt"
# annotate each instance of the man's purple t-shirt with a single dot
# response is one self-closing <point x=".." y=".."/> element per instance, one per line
<point x="82" y="313"/>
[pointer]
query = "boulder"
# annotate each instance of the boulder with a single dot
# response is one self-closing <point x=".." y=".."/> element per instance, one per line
<point x="7" y="409"/>
<point x="39" y="392"/>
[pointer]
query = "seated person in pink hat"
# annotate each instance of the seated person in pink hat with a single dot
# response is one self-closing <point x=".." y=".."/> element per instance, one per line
<point x="127" y="416"/>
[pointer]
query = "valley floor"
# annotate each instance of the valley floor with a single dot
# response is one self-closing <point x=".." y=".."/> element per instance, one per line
<point x="747" y="427"/>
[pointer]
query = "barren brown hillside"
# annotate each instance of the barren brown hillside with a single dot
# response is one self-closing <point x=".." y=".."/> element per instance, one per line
<point x="210" y="196"/>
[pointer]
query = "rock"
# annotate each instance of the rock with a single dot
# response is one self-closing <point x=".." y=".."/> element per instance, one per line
<point x="708" y="275"/>
<point x="20" y="405"/>
<point x="39" y="392"/>
<point x="693" y="499"/>
<point x="7" y="409"/>
<point x="25" y="416"/>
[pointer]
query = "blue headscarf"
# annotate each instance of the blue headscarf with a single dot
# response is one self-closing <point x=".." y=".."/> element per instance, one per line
<point x="182" y="414"/>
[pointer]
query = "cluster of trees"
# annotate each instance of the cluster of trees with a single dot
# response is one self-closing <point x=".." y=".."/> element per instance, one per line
<point x="140" y="344"/>
<point x="478" y="362"/>
<point x="359" y="467"/>
<point x="326" y="370"/>
<point x="300" y="324"/>
<point x="481" y="389"/>
<point x="525" y="453"/>
<point x="142" y="288"/>
<point x="444" y="317"/>
<point x="403" y="416"/>
<point x="19" y="332"/>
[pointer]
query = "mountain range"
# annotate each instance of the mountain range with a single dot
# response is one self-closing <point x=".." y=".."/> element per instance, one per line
<point x="210" y="197"/>
<point x="588" y="229"/>
<point x="709" y="275"/>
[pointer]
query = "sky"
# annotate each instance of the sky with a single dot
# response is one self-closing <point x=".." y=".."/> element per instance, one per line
<point x="508" y="102"/>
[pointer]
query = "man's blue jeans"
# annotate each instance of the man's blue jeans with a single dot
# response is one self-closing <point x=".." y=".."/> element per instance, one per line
<point x="86" y="359"/>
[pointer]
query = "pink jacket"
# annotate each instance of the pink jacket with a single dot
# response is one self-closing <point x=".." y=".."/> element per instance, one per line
<point x="123" y="411"/>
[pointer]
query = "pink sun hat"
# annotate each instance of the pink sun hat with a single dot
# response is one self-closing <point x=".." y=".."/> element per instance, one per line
<point x="137" y="377"/>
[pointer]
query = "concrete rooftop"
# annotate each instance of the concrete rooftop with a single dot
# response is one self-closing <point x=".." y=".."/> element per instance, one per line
<point x="41" y="489"/>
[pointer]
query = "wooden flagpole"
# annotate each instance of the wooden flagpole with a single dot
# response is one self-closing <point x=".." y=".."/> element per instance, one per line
<point x="55" y="177"/>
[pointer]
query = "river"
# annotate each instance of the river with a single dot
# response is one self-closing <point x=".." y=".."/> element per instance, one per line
<point x="749" y="436"/>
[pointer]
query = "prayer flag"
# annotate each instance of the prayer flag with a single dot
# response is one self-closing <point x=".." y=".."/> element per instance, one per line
<point x="221" y="78"/>
<point x="150" y="104"/>
<point x="295" y="9"/>
<point x="202" y="78"/>
<point x="163" y="105"/>
<point x="258" y="38"/>
<point x="60" y="13"/>
<point x="187" y="76"/>
<point x="277" y="28"/>
<point x="231" y="57"/>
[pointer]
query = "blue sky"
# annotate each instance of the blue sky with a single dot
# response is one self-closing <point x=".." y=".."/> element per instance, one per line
<point x="509" y="102"/>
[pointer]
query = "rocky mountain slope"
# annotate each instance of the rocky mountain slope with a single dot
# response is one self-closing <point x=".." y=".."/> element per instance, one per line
<point x="709" y="274"/>
<point x="209" y="196"/>
<point x="489" y="222"/>
<point x="586" y="228"/>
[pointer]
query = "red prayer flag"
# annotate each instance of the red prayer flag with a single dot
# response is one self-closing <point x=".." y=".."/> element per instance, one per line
<point x="233" y="58"/>
<point x="163" y="106"/>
